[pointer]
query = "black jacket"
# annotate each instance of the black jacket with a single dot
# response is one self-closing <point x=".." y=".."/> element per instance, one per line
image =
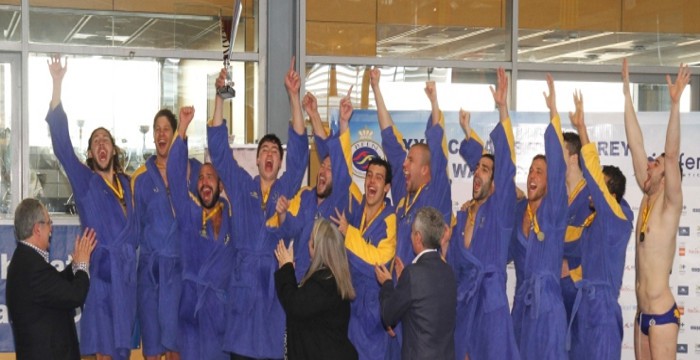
<point x="317" y="317"/>
<point x="425" y="301"/>
<point x="41" y="302"/>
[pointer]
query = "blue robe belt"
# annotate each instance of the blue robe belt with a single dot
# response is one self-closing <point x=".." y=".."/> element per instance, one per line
<point x="531" y="291"/>
<point x="149" y="258"/>
<point x="204" y="286"/>
<point x="589" y="287"/>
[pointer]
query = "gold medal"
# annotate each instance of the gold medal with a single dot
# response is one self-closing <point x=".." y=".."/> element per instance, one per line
<point x="540" y="236"/>
<point x="203" y="233"/>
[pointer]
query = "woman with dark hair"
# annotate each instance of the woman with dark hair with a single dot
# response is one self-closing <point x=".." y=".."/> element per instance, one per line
<point x="318" y="309"/>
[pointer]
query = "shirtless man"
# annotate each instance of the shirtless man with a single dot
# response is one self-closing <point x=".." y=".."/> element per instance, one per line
<point x="658" y="318"/>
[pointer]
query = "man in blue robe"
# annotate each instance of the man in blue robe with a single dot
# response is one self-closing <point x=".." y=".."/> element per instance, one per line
<point x="539" y="318"/>
<point x="596" y="325"/>
<point x="104" y="202"/>
<point x="419" y="176"/>
<point x="478" y="249"/>
<point x="369" y="226"/>
<point x="578" y="218"/>
<point x="206" y="225"/>
<point x="255" y="325"/>
<point x="159" y="268"/>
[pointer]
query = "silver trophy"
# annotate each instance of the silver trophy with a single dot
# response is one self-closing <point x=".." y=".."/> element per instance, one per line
<point x="228" y="36"/>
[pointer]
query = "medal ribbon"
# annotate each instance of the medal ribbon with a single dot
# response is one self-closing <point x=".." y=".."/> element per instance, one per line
<point x="210" y="214"/>
<point x="364" y="224"/>
<point x="408" y="206"/>
<point x="533" y="220"/>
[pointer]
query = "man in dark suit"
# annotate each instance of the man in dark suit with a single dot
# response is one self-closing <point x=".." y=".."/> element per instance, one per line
<point x="425" y="297"/>
<point x="41" y="300"/>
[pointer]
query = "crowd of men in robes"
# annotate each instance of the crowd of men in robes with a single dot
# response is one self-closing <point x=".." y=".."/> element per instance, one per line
<point x="202" y="284"/>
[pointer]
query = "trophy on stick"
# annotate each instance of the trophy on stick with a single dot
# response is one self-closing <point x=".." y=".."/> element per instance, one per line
<point x="228" y="36"/>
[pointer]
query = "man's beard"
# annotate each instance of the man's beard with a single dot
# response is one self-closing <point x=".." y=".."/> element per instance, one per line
<point x="325" y="193"/>
<point x="106" y="168"/>
<point x="214" y="199"/>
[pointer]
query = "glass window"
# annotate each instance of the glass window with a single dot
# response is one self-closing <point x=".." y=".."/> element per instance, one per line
<point x="123" y="95"/>
<point x="427" y="29"/>
<point x="10" y="20"/>
<point x="602" y="32"/>
<point x="402" y="87"/>
<point x="598" y="96"/>
<point x="129" y="23"/>
<point x="6" y="116"/>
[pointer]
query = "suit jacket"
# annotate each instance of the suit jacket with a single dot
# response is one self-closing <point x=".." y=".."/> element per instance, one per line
<point x="41" y="303"/>
<point x="317" y="317"/>
<point x="425" y="301"/>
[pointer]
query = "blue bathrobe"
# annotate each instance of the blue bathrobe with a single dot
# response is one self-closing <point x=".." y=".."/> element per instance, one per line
<point x="484" y="328"/>
<point x="207" y="265"/>
<point x="436" y="193"/>
<point x="577" y="220"/>
<point x="369" y="241"/>
<point x="159" y="269"/>
<point x="539" y="318"/>
<point x="109" y="313"/>
<point x="255" y="319"/>
<point x="596" y="329"/>
<point x="304" y="209"/>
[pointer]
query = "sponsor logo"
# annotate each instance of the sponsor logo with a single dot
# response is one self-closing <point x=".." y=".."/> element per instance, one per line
<point x="682" y="348"/>
<point x="695" y="269"/>
<point x="681" y="328"/>
<point x="683" y="290"/>
<point x="684" y="231"/>
<point x="364" y="150"/>
<point x="629" y="268"/>
<point x="681" y="308"/>
<point x="627" y="288"/>
<point x="629" y="308"/>
<point x="696" y="210"/>
<point x="681" y="269"/>
<point x="681" y="249"/>
<point x="697" y="290"/>
<point x="694" y="251"/>
<point x="697" y="348"/>
<point x="692" y="310"/>
<point x="694" y="328"/>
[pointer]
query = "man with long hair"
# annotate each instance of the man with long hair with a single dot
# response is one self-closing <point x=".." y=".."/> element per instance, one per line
<point x="658" y="317"/>
<point x="104" y="201"/>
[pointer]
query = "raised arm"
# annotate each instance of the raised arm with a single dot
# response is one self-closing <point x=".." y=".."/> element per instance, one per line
<point x="78" y="173"/>
<point x="500" y="94"/>
<point x="311" y="107"/>
<point x="57" y="72"/>
<point x="672" y="183"/>
<point x="576" y="118"/>
<point x="635" y="141"/>
<point x="218" y="100"/>
<point x="385" y="120"/>
<point x="431" y="92"/>
<point x="551" y="98"/>
<point x="292" y="83"/>
<point x="471" y="147"/>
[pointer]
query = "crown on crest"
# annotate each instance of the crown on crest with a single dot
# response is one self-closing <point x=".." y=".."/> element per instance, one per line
<point x="365" y="133"/>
